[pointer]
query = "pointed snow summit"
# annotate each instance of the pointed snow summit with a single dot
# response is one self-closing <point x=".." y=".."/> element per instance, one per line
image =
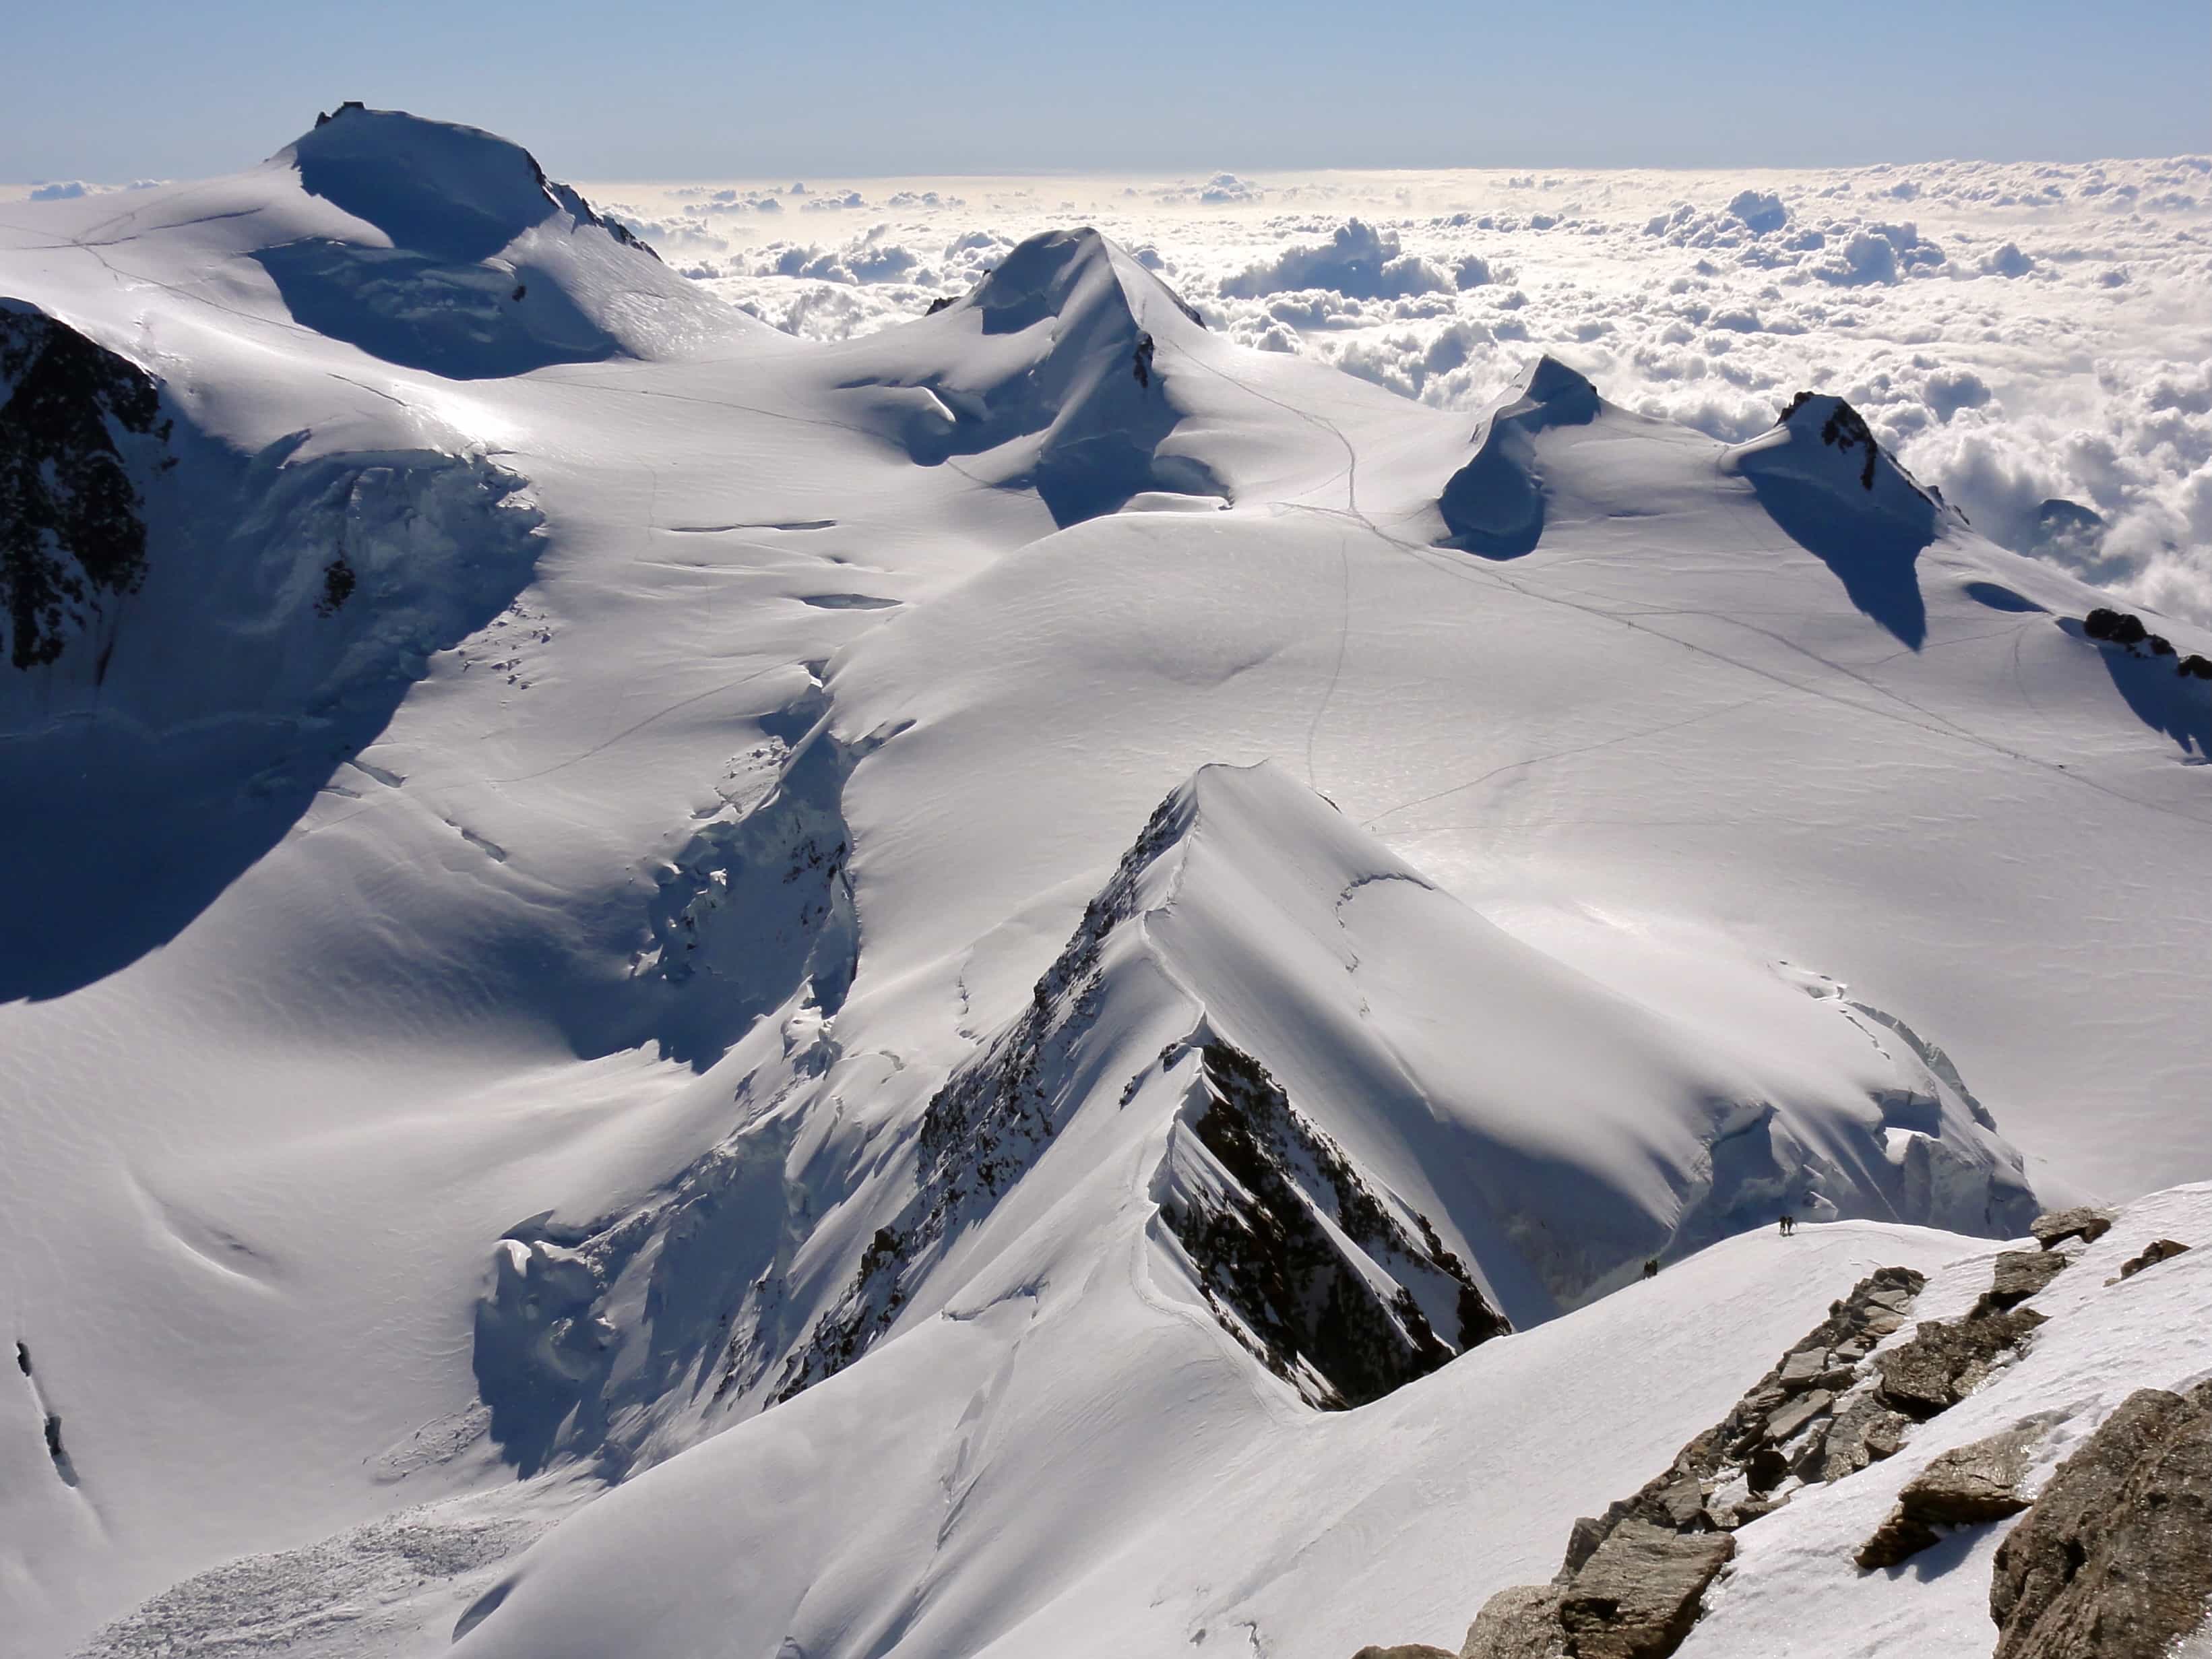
<point x="1380" y="1129"/>
<point x="1068" y="389"/>
<point x="1821" y="441"/>
<point x="1081" y="278"/>
<point x="1825" y="479"/>
<point x="1494" y="505"/>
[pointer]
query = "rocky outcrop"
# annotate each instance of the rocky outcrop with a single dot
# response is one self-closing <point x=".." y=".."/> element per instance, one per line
<point x="1779" y="1429"/>
<point x="2020" y="1274"/>
<point x="1842" y="428"/>
<point x="1829" y="1408"/>
<point x="1632" y="1578"/>
<point x="2054" y="1227"/>
<point x="77" y="423"/>
<point x="1520" y="1623"/>
<point x="2125" y="629"/>
<point x="2158" y="1250"/>
<point x="2115" y="1559"/>
<point x="1263" y="1236"/>
<point x="1947" y="1360"/>
<point x="2112" y="1561"/>
<point x="1637" y="1595"/>
<point x="1865" y="1432"/>
<point x="1963" y="1487"/>
<point x="1403" y="1650"/>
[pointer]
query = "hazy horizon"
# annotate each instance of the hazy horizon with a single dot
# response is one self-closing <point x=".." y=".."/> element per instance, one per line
<point x="977" y="87"/>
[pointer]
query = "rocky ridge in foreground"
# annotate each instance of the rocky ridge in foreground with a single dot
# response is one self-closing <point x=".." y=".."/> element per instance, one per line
<point x="2111" y="1558"/>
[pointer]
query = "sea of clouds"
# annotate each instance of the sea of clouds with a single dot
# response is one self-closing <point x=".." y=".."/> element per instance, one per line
<point x="2036" y="339"/>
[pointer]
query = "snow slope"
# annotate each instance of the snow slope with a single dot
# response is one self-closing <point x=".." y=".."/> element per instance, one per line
<point x="487" y="1021"/>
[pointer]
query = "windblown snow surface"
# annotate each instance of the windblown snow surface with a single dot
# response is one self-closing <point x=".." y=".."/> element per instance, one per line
<point x="1030" y="983"/>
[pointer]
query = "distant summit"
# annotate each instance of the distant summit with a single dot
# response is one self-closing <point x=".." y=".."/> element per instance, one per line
<point x="1828" y="483"/>
<point x="1071" y="393"/>
<point x="1062" y="271"/>
<point x="437" y="186"/>
<point x="1494" y="505"/>
<point x="479" y="266"/>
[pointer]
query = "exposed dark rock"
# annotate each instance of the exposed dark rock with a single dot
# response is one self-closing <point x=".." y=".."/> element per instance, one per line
<point x="987" y="1126"/>
<point x="1519" y="1622"/>
<point x="1142" y="359"/>
<point x="1404" y="1650"/>
<point x="941" y="302"/>
<point x="338" y="583"/>
<point x="1631" y="1579"/>
<point x="1793" y="1399"/>
<point x="2055" y="1227"/>
<point x="1767" y="1469"/>
<point x="1964" y="1488"/>
<point x="2115" y="1559"/>
<point x="1947" y="1360"/>
<point x="1865" y="1431"/>
<point x="1637" y="1596"/>
<point x="1273" y="1273"/>
<point x="72" y="526"/>
<point x="2195" y="667"/>
<point x="1844" y="430"/>
<point x="1785" y="1423"/>
<point x="2158" y="1250"/>
<point x="2020" y="1274"/>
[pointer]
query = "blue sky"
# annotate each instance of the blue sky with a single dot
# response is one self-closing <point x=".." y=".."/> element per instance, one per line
<point x="110" y="91"/>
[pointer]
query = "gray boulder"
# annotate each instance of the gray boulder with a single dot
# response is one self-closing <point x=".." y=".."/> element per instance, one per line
<point x="1963" y="1487"/>
<point x="2115" y="1559"/>
<point x="1404" y="1650"/>
<point x="1946" y="1359"/>
<point x="1785" y="1423"/>
<point x="2020" y="1274"/>
<point x="1638" y="1595"/>
<point x="1865" y="1431"/>
<point x="2158" y="1250"/>
<point x="2055" y="1227"/>
<point x="1520" y="1623"/>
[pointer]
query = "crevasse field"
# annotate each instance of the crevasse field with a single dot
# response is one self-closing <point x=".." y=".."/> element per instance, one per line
<point x="1070" y="918"/>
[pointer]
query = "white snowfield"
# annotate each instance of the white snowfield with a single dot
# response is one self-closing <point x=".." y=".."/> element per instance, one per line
<point x="636" y="904"/>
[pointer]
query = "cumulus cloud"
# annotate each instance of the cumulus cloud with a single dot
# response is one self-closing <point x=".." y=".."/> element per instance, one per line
<point x="64" y="190"/>
<point x="1759" y="211"/>
<point x="1358" y="261"/>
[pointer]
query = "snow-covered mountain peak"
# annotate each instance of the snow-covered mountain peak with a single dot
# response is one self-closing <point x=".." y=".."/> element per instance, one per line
<point x="1820" y="439"/>
<point x="1057" y="369"/>
<point x="1828" y="483"/>
<point x="1068" y="275"/>
<point x="437" y="187"/>
<point x="1564" y="393"/>
<point x="1494" y="505"/>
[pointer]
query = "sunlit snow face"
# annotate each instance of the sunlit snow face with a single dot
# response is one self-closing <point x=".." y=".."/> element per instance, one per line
<point x="2022" y="335"/>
